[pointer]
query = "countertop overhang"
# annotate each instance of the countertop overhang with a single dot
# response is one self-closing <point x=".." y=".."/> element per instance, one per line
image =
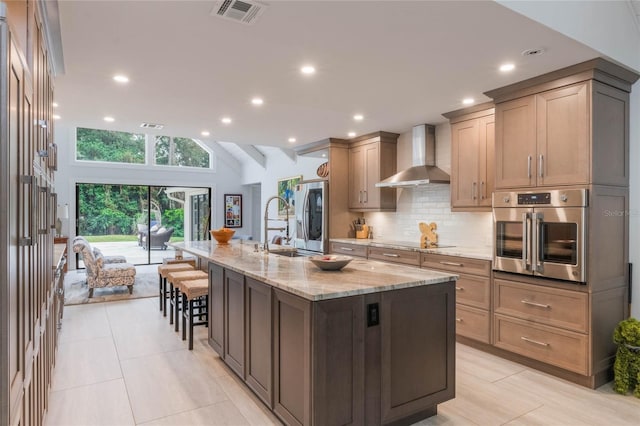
<point x="299" y="276"/>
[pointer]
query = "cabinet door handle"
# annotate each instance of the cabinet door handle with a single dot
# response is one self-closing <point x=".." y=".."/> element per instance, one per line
<point x="390" y="255"/>
<point x="529" y="166"/>
<point x="535" y="342"/>
<point x="346" y="248"/>
<point x="459" y="288"/>
<point x="359" y="196"/>
<point x="442" y="262"/>
<point x="473" y="190"/>
<point x="539" y="305"/>
<point x="366" y="196"/>
<point x="540" y="165"/>
<point x="483" y="190"/>
<point x="459" y="319"/>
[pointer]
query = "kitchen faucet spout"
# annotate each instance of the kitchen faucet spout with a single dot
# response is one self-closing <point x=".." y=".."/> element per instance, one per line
<point x="266" y="221"/>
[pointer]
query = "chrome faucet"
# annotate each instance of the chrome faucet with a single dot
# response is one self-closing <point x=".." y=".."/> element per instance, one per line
<point x="267" y="219"/>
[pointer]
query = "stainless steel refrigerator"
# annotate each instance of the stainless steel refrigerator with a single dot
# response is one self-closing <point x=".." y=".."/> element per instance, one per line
<point x="312" y="207"/>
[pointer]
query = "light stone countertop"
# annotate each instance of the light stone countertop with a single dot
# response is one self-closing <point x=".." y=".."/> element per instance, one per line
<point x="299" y="276"/>
<point x="482" y="252"/>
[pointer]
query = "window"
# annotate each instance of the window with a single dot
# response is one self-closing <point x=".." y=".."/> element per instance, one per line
<point x="182" y="152"/>
<point x="110" y="146"/>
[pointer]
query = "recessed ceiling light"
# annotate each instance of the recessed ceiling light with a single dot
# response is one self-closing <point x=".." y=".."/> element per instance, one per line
<point x="533" y="52"/>
<point x="205" y="133"/>
<point x="324" y="155"/>
<point x="56" y="117"/>
<point x="307" y="69"/>
<point x="226" y="120"/>
<point x="257" y="101"/>
<point x="358" y="117"/>
<point x="109" y="119"/>
<point x="121" y="78"/>
<point x="507" y="67"/>
<point x="292" y="140"/>
<point x="468" y="101"/>
<point x="351" y="134"/>
<point x="55" y="105"/>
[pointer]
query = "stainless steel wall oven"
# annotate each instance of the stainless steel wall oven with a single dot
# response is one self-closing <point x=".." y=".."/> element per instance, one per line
<point x="541" y="233"/>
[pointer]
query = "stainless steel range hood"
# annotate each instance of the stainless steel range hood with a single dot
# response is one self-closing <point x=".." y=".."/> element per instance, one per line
<point x="424" y="170"/>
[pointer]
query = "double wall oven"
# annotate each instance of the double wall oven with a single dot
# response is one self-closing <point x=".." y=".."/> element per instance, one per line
<point x="541" y="233"/>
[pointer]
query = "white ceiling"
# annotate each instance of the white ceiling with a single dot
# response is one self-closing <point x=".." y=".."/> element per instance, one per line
<point x="398" y="63"/>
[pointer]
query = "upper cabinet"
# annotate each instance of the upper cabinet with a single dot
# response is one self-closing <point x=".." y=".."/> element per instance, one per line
<point x="568" y="127"/>
<point x="472" y="158"/>
<point x="372" y="158"/>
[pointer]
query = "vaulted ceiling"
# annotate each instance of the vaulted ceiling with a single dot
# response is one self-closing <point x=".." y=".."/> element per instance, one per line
<point x="397" y="63"/>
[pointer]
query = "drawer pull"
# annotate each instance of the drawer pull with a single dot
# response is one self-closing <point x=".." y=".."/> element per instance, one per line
<point x="535" y="342"/>
<point x="459" y="319"/>
<point x="346" y="248"/>
<point x="451" y="263"/>
<point x="390" y="255"/>
<point x="459" y="288"/>
<point x="539" y="305"/>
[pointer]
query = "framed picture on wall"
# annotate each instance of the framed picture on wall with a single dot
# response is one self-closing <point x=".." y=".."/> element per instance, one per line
<point x="286" y="190"/>
<point x="233" y="210"/>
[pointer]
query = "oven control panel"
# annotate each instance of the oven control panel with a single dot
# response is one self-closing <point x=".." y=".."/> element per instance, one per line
<point x="538" y="198"/>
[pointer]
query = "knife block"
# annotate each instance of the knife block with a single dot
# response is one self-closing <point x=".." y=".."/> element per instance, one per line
<point x="363" y="233"/>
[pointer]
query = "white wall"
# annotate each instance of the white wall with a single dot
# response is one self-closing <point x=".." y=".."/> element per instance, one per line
<point x="278" y="166"/>
<point x="225" y="179"/>
<point x="431" y="203"/>
<point x="610" y="28"/>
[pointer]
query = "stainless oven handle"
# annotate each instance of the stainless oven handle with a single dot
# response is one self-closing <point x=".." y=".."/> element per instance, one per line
<point x="525" y="241"/>
<point x="537" y="243"/>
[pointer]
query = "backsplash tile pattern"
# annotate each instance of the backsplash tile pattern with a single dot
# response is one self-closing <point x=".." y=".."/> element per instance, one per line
<point x="432" y="203"/>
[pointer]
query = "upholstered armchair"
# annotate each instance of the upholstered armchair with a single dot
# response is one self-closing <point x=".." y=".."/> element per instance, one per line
<point x="101" y="274"/>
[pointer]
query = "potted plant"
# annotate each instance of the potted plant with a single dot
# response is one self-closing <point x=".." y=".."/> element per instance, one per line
<point x="626" y="368"/>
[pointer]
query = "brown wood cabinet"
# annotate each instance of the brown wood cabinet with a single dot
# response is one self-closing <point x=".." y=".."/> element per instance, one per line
<point x="395" y="255"/>
<point x="472" y="158"/>
<point x="329" y="363"/>
<point x="216" y="312"/>
<point x="473" y="293"/>
<point x="29" y="299"/>
<point x="234" y="321"/>
<point x="569" y="127"/>
<point x="348" y="249"/>
<point x="372" y="158"/>
<point x="259" y="339"/>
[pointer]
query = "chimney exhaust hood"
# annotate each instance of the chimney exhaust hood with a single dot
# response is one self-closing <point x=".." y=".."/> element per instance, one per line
<point x="424" y="170"/>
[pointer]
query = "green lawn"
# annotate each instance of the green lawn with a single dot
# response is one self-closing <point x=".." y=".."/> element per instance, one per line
<point x="120" y="238"/>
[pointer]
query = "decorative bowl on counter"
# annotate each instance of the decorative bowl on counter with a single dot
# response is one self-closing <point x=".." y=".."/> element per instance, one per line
<point x="330" y="262"/>
<point x="222" y="235"/>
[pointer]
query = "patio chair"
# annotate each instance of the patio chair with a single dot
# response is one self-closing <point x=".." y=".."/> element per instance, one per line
<point x="101" y="274"/>
<point x="158" y="238"/>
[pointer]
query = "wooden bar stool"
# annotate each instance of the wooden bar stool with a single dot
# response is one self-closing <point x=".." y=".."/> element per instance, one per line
<point x="163" y="270"/>
<point x="194" y="304"/>
<point x="174" y="279"/>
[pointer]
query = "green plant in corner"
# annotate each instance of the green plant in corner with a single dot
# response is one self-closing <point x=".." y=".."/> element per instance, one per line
<point x="626" y="368"/>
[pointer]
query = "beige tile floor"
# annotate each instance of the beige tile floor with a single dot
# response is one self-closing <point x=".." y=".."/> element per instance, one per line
<point x="119" y="363"/>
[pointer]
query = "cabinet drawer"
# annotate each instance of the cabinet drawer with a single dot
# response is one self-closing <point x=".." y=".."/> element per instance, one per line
<point x="472" y="323"/>
<point x="457" y="264"/>
<point x="564" y="349"/>
<point x="551" y="306"/>
<point x="406" y="257"/>
<point x="473" y="291"/>
<point x="349" y="249"/>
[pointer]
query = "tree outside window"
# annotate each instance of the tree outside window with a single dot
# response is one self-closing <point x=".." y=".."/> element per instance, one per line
<point x="184" y="152"/>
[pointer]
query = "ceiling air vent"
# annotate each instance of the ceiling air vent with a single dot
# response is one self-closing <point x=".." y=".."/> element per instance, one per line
<point x="152" y="126"/>
<point x="243" y="11"/>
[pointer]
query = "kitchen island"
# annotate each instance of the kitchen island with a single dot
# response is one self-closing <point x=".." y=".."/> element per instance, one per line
<point x="371" y="344"/>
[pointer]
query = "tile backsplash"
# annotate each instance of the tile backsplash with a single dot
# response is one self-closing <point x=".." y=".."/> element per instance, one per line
<point x="432" y="203"/>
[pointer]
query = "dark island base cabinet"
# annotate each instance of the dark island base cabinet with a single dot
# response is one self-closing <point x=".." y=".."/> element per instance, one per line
<point x="331" y="362"/>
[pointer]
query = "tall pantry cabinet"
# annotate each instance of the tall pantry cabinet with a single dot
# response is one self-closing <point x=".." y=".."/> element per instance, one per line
<point x="28" y="329"/>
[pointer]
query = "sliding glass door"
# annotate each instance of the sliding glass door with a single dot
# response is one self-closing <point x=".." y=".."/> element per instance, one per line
<point x="138" y="221"/>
